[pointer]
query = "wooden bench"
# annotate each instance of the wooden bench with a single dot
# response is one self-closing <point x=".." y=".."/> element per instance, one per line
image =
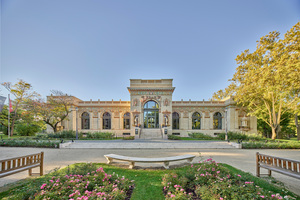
<point x="132" y="160"/>
<point x="19" y="164"/>
<point x="281" y="165"/>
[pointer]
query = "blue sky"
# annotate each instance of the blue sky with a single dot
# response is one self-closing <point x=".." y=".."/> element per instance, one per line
<point x="90" y="49"/>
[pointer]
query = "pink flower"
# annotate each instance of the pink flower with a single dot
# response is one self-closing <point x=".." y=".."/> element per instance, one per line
<point x="262" y="196"/>
<point x="239" y="175"/>
<point x="172" y="195"/>
<point x="42" y="187"/>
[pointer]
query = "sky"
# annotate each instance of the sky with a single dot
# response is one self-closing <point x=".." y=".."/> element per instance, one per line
<point x="91" y="48"/>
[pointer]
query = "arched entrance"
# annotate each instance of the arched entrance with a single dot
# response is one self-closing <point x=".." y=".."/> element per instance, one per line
<point x="151" y="115"/>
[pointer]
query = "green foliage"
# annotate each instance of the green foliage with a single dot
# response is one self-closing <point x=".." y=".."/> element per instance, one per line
<point x="128" y="138"/>
<point x="69" y="134"/>
<point x="64" y="134"/>
<point x="211" y="181"/>
<point x="271" y="145"/>
<point x="78" y="182"/>
<point x="27" y="142"/>
<point x="27" y="130"/>
<point x="100" y="135"/>
<point x="147" y="182"/>
<point x="174" y="137"/>
<point x="239" y="136"/>
<point x="266" y="81"/>
<point x="201" y="136"/>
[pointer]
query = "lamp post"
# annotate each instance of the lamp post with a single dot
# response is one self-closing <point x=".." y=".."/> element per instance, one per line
<point x="226" y="134"/>
<point x="76" y="123"/>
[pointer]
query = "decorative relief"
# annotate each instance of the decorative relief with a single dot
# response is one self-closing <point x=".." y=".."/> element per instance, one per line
<point x="185" y="114"/>
<point x="146" y="98"/>
<point x="135" y="102"/>
<point x="166" y="112"/>
<point x="166" y="102"/>
<point x="150" y="93"/>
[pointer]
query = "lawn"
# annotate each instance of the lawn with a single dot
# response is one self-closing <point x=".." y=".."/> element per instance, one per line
<point x="150" y="183"/>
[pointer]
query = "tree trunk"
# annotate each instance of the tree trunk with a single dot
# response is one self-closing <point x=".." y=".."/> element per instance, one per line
<point x="297" y="127"/>
<point x="273" y="133"/>
<point x="278" y="132"/>
<point x="12" y="127"/>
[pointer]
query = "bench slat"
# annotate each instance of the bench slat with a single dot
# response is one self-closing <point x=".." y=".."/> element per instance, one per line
<point x="17" y="170"/>
<point x="282" y="171"/>
<point x="132" y="160"/>
<point x="139" y="159"/>
<point x="281" y="165"/>
<point x="15" y="165"/>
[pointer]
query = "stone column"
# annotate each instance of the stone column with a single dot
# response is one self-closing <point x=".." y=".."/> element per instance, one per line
<point x="100" y="120"/>
<point x="91" y="120"/>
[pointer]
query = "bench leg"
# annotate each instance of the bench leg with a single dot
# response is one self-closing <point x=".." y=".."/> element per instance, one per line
<point x="109" y="160"/>
<point x="131" y="165"/>
<point x="30" y="172"/>
<point x="166" y="165"/>
<point x="269" y="172"/>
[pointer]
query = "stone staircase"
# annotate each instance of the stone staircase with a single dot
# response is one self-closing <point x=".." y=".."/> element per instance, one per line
<point x="154" y="133"/>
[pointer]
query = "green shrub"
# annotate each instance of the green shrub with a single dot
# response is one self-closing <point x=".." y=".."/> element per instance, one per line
<point x="65" y="134"/>
<point x="201" y="136"/>
<point x="271" y="145"/>
<point x="4" y="130"/>
<point x="29" y="143"/>
<point x="233" y="136"/>
<point x="100" y="135"/>
<point x="27" y="129"/>
<point x="174" y="137"/>
<point x="128" y="138"/>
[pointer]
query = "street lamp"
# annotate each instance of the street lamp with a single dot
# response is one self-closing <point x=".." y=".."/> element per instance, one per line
<point x="226" y="134"/>
<point x="76" y="123"/>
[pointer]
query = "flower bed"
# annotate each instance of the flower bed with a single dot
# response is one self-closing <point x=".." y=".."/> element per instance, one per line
<point x="211" y="181"/>
<point x="94" y="185"/>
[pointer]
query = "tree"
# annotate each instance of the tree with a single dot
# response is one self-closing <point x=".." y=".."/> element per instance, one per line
<point x="54" y="110"/>
<point x="221" y="94"/>
<point x="4" y="118"/>
<point x="22" y="92"/>
<point x="267" y="81"/>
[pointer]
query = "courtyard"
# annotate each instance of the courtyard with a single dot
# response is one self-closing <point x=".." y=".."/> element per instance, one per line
<point x="238" y="158"/>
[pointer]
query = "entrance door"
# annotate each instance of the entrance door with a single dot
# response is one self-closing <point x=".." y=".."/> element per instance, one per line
<point x="151" y="115"/>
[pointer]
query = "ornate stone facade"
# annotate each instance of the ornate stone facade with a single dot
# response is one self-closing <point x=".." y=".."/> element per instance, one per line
<point x="151" y="108"/>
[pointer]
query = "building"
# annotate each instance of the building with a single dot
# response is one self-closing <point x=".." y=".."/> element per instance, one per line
<point x="152" y="113"/>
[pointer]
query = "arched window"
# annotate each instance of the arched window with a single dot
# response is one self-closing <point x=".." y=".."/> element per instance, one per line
<point x="175" y="120"/>
<point x="217" y="120"/>
<point x="106" y="121"/>
<point x="151" y="115"/>
<point x="196" y="121"/>
<point x="85" y="121"/>
<point x="126" y="121"/>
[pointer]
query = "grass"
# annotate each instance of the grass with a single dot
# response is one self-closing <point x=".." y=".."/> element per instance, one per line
<point x="147" y="181"/>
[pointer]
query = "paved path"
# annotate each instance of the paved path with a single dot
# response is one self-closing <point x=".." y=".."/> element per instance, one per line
<point x="239" y="158"/>
<point x="149" y="144"/>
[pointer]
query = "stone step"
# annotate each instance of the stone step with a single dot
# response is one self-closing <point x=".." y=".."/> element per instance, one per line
<point x="151" y="134"/>
<point x="150" y="144"/>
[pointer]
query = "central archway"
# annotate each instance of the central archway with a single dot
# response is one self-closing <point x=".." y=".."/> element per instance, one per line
<point x="151" y="115"/>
